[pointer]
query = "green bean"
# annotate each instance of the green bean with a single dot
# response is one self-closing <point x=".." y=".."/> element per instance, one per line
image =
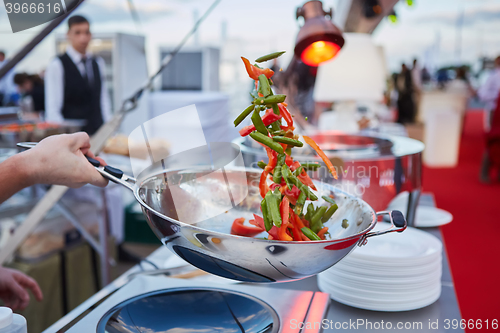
<point x="301" y="200"/>
<point x="277" y="174"/>
<point x="288" y="141"/>
<point x="316" y="219"/>
<point x="275" y="108"/>
<point x="288" y="150"/>
<point x="259" y="137"/>
<point x="298" y="171"/>
<point x="310" y="212"/>
<point x="329" y="213"/>
<point x="310" y="166"/>
<point x="269" y="100"/>
<point x="310" y="234"/>
<point x="328" y="199"/>
<point x="281" y="159"/>
<point x="257" y="66"/>
<point x="289" y="184"/>
<point x="270" y="56"/>
<point x="261" y="164"/>
<point x="243" y="115"/>
<point x="294" y="180"/>
<point x="268" y="224"/>
<point x="272" y="208"/>
<point x="258" y="123"/>
<point x="265" y="89"/>
<point x="280" y="132"/>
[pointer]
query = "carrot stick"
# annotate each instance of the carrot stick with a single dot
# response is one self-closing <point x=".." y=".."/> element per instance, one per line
<point x="322" y="232"/>
<point x="321" y="154"/>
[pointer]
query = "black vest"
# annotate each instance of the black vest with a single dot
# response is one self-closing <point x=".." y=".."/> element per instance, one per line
<point x="81" y="100"/>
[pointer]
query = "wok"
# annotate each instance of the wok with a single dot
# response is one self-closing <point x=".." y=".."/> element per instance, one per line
<point x="191" y="211"/>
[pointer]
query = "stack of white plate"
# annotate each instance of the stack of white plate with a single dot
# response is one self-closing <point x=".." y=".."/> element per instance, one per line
<point x="392" y="272"/>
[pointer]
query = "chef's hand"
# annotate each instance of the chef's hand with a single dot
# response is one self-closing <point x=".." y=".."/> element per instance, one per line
<point x="13" y="285"/>
<point x="60" y="160"/>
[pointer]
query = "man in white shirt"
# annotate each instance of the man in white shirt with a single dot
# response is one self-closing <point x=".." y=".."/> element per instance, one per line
<point x="75" y="85"/>
<point x="489" y="92"/>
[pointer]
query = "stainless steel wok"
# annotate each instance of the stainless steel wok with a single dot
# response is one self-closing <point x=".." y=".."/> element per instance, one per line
<point x="208" y="244"/>
<point x="191" y="210"/>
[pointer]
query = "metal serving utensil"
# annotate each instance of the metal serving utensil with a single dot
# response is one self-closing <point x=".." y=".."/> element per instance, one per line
<point x="191" y="211"/>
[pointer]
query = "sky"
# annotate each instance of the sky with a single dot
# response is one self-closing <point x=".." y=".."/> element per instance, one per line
<point x="428" y="30"/>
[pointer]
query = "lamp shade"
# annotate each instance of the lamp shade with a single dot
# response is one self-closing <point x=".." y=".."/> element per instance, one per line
<point x="356" y="74"/>
<point x="318" y="40"/>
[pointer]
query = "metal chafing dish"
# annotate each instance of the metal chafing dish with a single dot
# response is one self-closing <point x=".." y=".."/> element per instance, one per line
<point x="374" y="168"/>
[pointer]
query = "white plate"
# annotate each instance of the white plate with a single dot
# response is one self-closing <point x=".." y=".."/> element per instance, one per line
<point x="396" y="273"/>
<point x="396" y="295"/>
<point x="378" y="269"/>
<point x="361" y="304"/>
<point x="386" y="280"/>
<point x="410" y="245"/>
<point x="380" y="285"/>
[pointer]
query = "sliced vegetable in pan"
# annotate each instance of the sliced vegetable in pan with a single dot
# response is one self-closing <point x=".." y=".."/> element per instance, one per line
<point x="284" y="184"/>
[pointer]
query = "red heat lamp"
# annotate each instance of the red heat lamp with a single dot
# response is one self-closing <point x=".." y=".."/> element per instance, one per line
<point x="319" y="40"/>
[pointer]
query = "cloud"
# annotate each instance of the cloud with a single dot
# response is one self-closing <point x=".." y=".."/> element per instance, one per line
<point x="118" y="11"/>
<point x="487" y="14"/>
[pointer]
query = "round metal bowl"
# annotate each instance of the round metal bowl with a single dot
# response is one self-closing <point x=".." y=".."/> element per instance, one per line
<point x="192" y="210"/>
<point x="374" y="168"/>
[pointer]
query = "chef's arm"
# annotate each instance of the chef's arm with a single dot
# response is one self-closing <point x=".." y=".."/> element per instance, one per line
<point x="57" y="160"/>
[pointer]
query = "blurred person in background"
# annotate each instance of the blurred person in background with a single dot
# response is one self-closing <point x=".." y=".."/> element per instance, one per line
<point x="489" y="93"/>
<point x="32" y="86"/>
<point x="7" y="87"/>
<point x="75" y="81"/>
<point x="460" y="84"/>
<point x="416" y="80"/>
<point x="404" y="87"/>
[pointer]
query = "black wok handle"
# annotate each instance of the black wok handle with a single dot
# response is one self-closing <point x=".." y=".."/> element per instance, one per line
<point x="398" y="219"/>
<point x="114" y="174"/>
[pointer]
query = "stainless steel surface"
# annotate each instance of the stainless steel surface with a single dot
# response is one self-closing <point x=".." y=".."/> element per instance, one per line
<point x="374" y="168"/>
<point x="446" y="308"/>
<point x="191" y="309"/>
<point x="289" y="306"/>
<point x="208" y="244"/>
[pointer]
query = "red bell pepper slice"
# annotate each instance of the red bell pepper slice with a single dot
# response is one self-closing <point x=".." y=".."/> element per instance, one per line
<point x="297" y="224"/>
<point x="263" y="188"/>
<point x="254" y="72"/>
<point x="295" y="165"/>
<point x="306" y="180"/>
<point x="285" y="212"/>
<point x="268" y="118"/>
<point x="273" y="186"/>
<point x="273" y="159"/>
<point x="321" y="154"/>
<point x="238" y="228"/>
<point x="288" y="161"/>
<point x="273" y="231"/>
<point x="286" y="114"/>
<point x="292" y="194"/>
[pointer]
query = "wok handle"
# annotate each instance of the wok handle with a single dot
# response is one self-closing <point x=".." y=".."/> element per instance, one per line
<point x="114" y="174"/>
<point x="398" y="222"/>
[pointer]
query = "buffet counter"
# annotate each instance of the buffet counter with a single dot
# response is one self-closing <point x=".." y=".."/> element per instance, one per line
<point x="444" y="311"/>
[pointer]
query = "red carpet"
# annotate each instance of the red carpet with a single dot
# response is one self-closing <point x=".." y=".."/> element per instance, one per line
<point x="472" y="240"/>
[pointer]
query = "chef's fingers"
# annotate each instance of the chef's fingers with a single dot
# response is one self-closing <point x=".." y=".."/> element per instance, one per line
<point x="91" y="155"/>
<point x="29" y="283"/>
<point x="80" y="140"/>
<point x="21" y="296"/>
